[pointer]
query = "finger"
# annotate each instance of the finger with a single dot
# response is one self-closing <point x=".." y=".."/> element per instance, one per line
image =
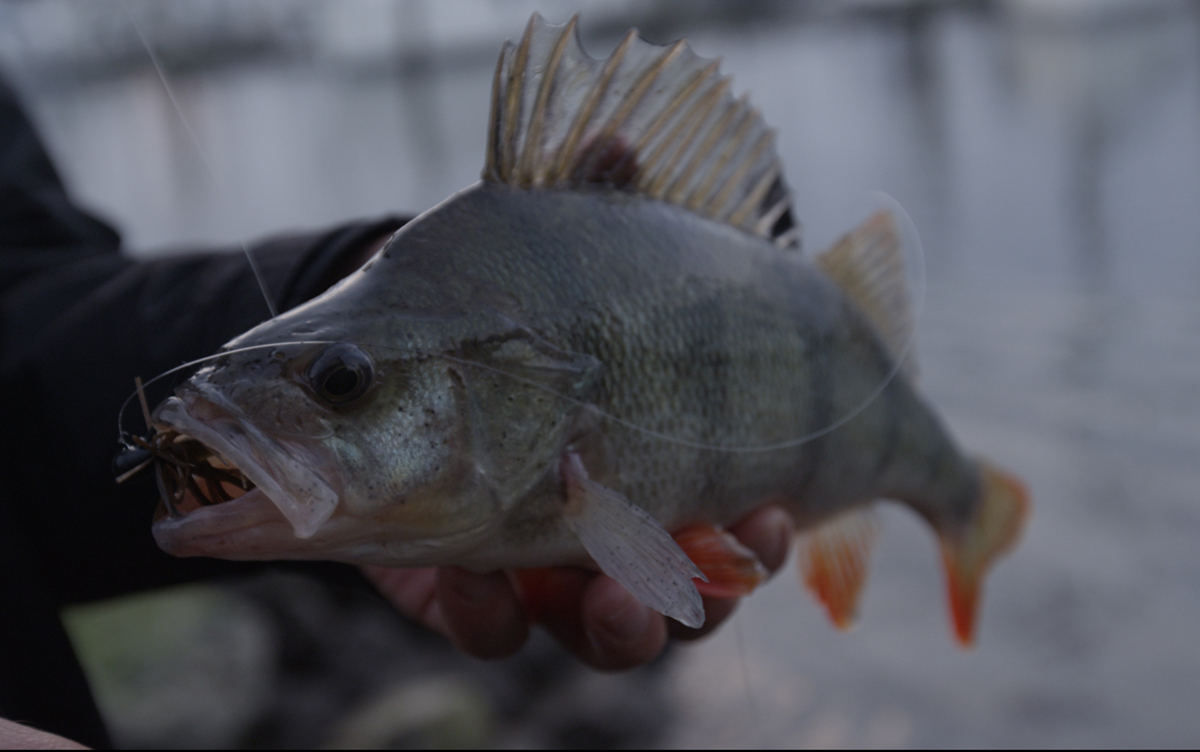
<point x="621" y="632"/>
<point x="482" y="613"/>
<point x="410" y="591"/>
<point x="19" y="736"/>
<point x="768" y="533"/>
<point x="553" y="598"/>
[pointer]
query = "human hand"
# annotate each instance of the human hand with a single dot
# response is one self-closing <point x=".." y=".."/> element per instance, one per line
<point x="589" y="613"/>
<point x="20" y="736"/>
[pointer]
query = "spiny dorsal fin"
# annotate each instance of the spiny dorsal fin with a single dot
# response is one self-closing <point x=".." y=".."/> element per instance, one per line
<point x="868" y="264"/>
<point x="658" y="121"/>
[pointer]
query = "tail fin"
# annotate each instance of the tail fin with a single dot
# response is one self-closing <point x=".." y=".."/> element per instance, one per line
<point x="967" y="553"/>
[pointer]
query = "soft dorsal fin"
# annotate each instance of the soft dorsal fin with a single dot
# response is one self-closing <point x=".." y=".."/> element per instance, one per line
<point x="658" y="121"/>
<point x="868" y="264"/>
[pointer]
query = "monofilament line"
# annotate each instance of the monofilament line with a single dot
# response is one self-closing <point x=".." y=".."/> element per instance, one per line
<point x="731" y="448"/>
<point x="208" y="168"/>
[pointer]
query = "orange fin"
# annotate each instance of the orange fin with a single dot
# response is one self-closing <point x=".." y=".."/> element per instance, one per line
<point x="834" y="558"/>
<point x="967" y="553"/>
<point x="732" y="569"/>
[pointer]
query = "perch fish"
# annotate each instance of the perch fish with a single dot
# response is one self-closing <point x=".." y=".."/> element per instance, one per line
<point x="599" y="355"/>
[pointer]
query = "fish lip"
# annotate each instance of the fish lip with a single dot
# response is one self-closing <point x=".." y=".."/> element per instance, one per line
<point x="251" y="527"/>
<point x="287" y="472"/>
<point x="222" y="529"/>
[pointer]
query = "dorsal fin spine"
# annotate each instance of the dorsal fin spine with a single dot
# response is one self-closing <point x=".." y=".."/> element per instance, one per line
<point x="756" y="196"/>
<point x="666" y="115"/>
<point x="768" y="220"/>
<point x="652" y="164"/>
<point x="650" y="120"/>
<point x="531" y="173"/>
<point x="512" y="104"/>
<point x="733" y="142"/>
<point x="789" y="238"/>
<point x="491" y="170"/>
<point x="635" y="94"/>
<point x="633" y="98"/>
<point x="696" y="116"/>
<point x="679" y="141"/>
<point x="716" y="207"/>
<point x="561" y="164"/>
<point x="684" y="186"/>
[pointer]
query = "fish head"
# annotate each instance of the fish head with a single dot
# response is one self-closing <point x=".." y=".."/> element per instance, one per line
<point x="392" y="420"/>
<point x="355" y="452"/>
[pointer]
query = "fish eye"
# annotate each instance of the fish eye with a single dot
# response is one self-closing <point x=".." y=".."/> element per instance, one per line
<point x="341" y="374"/>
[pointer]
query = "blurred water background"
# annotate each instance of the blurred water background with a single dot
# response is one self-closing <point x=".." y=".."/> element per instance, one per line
<point x="1049" y="155"/>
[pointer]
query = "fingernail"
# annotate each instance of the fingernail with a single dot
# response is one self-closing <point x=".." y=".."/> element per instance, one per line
<point x="627" y="621"/>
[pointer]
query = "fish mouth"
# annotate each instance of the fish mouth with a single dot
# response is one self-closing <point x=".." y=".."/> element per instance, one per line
<point x="190" y="474"/>
<point x="231" y="491"/>
<point x="218" y="472"/>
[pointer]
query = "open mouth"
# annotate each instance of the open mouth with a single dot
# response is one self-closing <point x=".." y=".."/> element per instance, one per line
<point x="203" y="498"/>
<point x="190" y="475"/>
<point x="233" y="488"/>
<point x="208" y="454"/>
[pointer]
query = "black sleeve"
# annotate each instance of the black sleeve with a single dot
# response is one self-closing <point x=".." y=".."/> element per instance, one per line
<point x="77" y="322"/>
<point x="74" y="338"/>
<point x="39" y="225"/>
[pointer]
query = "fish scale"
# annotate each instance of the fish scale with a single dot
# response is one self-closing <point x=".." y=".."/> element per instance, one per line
<point x="610" y="339"/>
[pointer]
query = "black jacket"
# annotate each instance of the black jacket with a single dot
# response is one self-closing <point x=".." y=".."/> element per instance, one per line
<point x="78" y="320"/>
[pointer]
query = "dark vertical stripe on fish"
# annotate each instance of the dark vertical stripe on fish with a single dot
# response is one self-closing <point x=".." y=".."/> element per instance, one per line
<point x="891" y="440"/>
<point x="820" y="410"/>
<point x="713" y="333"/>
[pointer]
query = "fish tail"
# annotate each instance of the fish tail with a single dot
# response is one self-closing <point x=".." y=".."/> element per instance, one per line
<point x="969" y="551"/>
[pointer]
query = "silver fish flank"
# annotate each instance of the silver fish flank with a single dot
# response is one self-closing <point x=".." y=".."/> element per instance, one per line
<point x="600" y="354"/>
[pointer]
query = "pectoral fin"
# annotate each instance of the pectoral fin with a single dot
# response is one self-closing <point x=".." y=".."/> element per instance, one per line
<point x="631" y="547"/>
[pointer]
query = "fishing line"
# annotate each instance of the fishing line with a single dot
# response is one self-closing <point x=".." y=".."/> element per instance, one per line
<point x="914" y="251"/>
<point x="740" y="645"/>
<point x="208" y="167"/>
<point x="912" y="245"/>
<point x="122" y="433"/>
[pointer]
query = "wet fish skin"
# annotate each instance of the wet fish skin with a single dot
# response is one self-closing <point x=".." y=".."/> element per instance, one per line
<point x="688" y="329"/>
<point x="712" y="337"/>
<point x="609" y="338"/>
